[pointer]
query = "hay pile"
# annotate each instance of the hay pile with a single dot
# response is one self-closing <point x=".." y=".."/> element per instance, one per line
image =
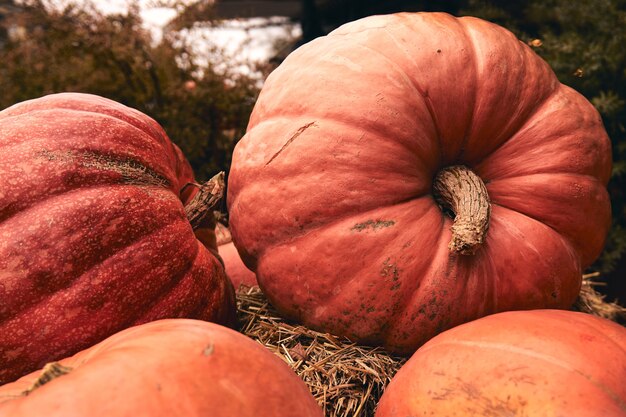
<point x="346" y="379"/>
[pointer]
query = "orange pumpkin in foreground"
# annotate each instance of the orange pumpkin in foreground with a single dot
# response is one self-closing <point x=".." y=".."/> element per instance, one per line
<point x="167" y="368"/>
<point x="408" y="173"/>
<point x="524" y="363"/>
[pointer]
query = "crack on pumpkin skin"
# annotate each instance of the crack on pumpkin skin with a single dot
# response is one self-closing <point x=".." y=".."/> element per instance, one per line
<point x="131" y="171"/>
<point x="290" y="140"/>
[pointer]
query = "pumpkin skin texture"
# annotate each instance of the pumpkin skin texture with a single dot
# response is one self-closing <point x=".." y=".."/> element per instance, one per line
<point x="236" y="270"/>
<point x="93" y="232"/>
<point x="522" y="363"/>
<point x="330" y="192"/>
<point x="174" y="367"/>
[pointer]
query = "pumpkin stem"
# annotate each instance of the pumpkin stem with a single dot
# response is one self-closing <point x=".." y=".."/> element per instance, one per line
<point x="203" y="203"/>
<point x="459" y="189"/>
<point x="51" y="371"/>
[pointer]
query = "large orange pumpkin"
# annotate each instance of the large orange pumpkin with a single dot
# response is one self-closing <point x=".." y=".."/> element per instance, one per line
<point x="94" y="234"/>
<point x="167" y="368"/>
<point x="522" y="363"/>
<point x="411" y="172"/>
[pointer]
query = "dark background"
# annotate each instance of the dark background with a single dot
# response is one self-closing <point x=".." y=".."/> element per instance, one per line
<point x="45" y="51"/>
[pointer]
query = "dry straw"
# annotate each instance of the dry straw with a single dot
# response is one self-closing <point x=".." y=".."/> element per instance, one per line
<point x="346" y="379"/>
<point x="592" y="302"/>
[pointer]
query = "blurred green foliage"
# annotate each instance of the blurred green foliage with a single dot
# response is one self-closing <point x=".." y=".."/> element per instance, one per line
<point x="79" y="49"/>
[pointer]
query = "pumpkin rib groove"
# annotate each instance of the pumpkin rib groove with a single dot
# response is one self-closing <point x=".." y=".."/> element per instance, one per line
<point x="530" y="174"/>
<point x="24" y="210"/>
<point x="26" y="309"/>
<point x="431" y="279"/>
<point x="50" y="112"/>
<point x="130" y="159"/>
<point x="421" y="92"/>
<point x="135" y="122"/>
<point x="95" y="154"/>
<point x="521" y="127"/>
<point x="495" y="284"/>
<point x="175" y="281"/>
<point x="526" y="60"/>
<point x="147" y="309"/>
<point x="403" y="306"/>
<point x="502" y="206"/>
<point x="470" y="42"/>
<point x="335" y="33"/>
<point x="563" y="235"/>
<point x="562" y="173"/>
<point x="414" y="84"/>
<point x="294" y="236"/>
<point x="86" y="158"/>
<point x="556" y="278"/>
<point x="550" y="359"/>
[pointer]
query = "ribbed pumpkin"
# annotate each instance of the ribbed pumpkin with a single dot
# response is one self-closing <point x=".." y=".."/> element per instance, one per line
<point x="522" y="363"/>
<point x="94" y="235"/>
<point x="167" y="368"/>
<point x="411" y="172"/>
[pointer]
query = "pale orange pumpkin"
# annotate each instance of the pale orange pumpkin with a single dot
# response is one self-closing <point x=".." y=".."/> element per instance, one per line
<point x="166" y="368"/>
<point x="366" y="143"/>
<point x="523" y="363"/>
